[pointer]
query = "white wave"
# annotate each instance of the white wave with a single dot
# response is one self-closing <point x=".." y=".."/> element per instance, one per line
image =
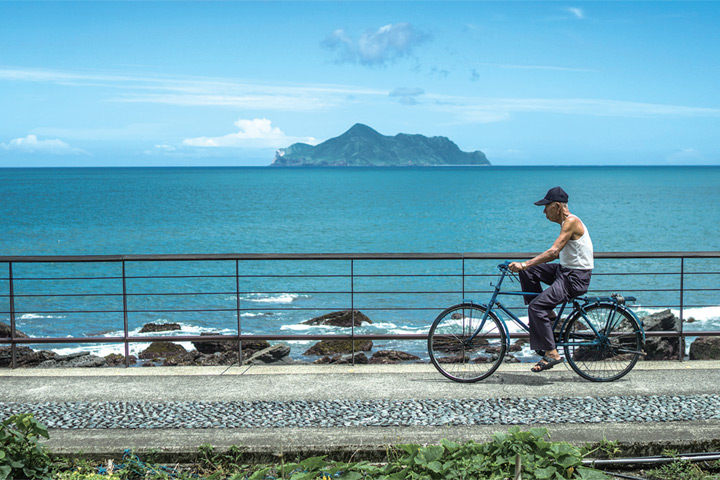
<point x="700" y="315"/>
<point x="278" y="298"/>
<point x="34" y="316"/>
<point x="385" y="325"/>
<point x="300" y="327"/>
<point x="103" y="349"/>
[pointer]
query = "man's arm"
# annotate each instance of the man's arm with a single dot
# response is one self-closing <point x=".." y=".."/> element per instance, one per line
<point x="571" y="227"/>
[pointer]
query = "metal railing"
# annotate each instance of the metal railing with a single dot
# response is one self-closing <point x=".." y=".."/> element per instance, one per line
<point x="120" y="291"/>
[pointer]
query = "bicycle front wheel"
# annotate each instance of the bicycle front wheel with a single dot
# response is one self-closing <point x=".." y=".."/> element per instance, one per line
<point x="466" y="345"/>
<point x="602" y="342"/>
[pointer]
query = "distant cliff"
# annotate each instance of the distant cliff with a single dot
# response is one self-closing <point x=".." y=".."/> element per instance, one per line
<point x="361" y="146"/>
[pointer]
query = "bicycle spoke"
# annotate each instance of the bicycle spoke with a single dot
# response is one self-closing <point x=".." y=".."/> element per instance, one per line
<point x="603" y="344"/>
<point x="465" y="348"/>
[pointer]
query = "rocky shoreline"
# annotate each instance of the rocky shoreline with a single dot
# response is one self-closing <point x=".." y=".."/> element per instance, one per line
<point x="261" y="352"/>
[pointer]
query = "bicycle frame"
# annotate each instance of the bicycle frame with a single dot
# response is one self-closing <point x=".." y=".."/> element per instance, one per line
<point x="495" y="306"/>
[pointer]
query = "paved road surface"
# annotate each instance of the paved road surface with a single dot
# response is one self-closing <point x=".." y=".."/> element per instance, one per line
<point x="346" y="410"/>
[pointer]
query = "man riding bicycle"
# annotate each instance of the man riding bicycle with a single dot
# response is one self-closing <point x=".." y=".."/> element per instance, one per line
<point x="567" y="279"/>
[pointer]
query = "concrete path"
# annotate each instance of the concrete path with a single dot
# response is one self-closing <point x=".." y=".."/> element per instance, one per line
<point x="271" y="411"/>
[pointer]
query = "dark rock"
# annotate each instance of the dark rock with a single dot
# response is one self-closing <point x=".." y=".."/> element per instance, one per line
<point x="510" y="359"/>
<point x="249" y="347"/>
<point x="159" y="327"/>
<point x="360" y="358"/>
<point x="5" y="331"/>
<point x="80" y="359"/>
<point x="453" y="345"/>
<point x="661" y="348"/>
<point x="662" y="321"/>
<point x="183" y="359"/>
<point x="214" y="346"/>
<point x="115" y="359"/>
<point x="162" y="350"/>
<point x="275" y="354"/>
<point x="392" y="356"/>
<point x="25" y="356"/>
<point x="216" y="359"/>
<point x="456" y="359"/>
<point x="340" y="319"/>
<point x="705" y="348"/>
<point x="334" y="347"/>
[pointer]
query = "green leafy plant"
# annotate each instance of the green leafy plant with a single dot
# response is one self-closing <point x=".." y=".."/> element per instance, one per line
<point x="680" y="468"/>
<point x="604" y="449"/>
<point x="220" y="463"/>
<point x="538" y="458"/>
<point x="20" y="453"/>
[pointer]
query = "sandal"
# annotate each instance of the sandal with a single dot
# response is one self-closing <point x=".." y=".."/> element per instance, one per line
<point x="546" y="363"/>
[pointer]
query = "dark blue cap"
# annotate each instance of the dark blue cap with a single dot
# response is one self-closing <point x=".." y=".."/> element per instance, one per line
<point x="555" y="194"/>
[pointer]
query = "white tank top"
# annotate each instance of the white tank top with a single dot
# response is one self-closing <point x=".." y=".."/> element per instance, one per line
<point x="578" y="254"/>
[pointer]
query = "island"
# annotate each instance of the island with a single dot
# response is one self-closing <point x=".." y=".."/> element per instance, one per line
<point x="361" y="146"/>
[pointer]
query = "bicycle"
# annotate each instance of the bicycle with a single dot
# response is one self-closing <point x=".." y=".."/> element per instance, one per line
<point x="601" y="337"/>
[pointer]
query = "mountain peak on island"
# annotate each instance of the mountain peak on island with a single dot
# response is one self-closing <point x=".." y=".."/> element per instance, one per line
<point x="362" y="146"/>
<point x="361" y="129"/>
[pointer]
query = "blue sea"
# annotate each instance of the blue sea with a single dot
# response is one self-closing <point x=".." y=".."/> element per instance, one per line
<point x="118" y="211"/>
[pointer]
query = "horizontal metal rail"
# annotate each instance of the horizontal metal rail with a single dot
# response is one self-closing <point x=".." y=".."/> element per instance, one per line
<point x="674" y="296"/>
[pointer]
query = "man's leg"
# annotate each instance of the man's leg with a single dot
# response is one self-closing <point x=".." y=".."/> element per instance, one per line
<point x="541" y="316"/>
<point x="531" y="279"/>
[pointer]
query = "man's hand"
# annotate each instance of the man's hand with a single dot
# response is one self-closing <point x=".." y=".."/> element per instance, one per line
<point x="515" y="267"/>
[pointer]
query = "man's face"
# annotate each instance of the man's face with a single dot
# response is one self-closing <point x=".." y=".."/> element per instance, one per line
<point x="552" y="211"/>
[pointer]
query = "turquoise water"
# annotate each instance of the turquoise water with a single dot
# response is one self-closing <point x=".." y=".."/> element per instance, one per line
<point x="271" y="210"/>
<point x="219" y="210"/>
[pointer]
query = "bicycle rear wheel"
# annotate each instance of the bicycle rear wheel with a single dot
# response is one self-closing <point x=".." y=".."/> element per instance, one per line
<point x="608" y="354"/>
<point x="456" y="353"/>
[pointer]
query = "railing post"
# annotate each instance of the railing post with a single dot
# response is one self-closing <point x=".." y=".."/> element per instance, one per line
<point x="237" y="309"/>
<point x="125" y="317"/>
<point x="463" y="279"/>
<point x="681" y="353"/>
<point x="13" y="346"/>
<point x="352" y="308"/>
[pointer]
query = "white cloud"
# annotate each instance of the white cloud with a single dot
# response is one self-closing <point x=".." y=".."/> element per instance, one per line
<point x="31" y="144"/>
<point x="386" y="44"/>
<point x="255" y="133"/>
<point x="577" y="12"/>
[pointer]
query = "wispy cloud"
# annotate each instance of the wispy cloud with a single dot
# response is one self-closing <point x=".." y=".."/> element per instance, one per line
<point x="31" y="144"/>
<point x="378" y="47"/>
<point x="255" y="133"/>
<point x="557" y="68"/>
<point x="407" y="96"/>
<point x="199" y="91"/>
<point x="495" y="110"/>
<point x="576" y="12"/>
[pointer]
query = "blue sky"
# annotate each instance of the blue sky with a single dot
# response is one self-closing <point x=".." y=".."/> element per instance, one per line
<point x="227" y="83"/>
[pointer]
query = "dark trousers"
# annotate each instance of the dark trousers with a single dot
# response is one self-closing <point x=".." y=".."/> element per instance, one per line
<point x="564" y="284"/>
